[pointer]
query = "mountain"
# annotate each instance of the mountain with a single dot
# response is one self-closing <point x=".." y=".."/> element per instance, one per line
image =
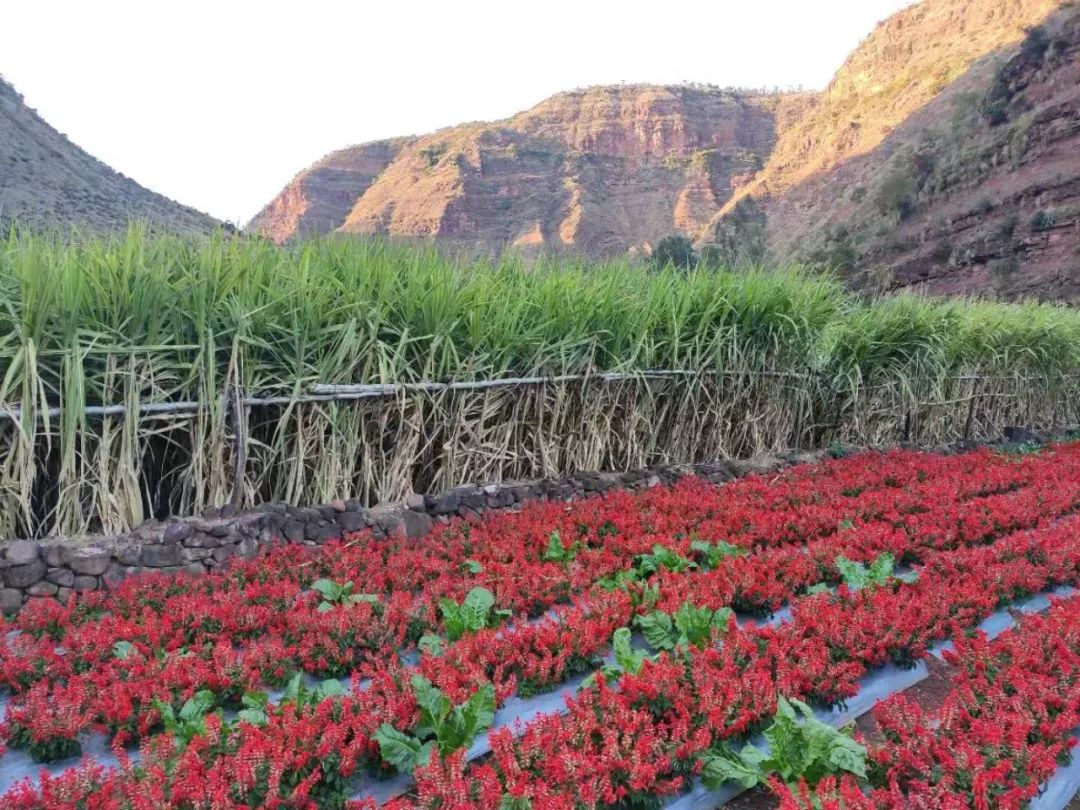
<point x="596" y="171"/>
<point x="46" y="180"/>
<point x="944" y="156"/>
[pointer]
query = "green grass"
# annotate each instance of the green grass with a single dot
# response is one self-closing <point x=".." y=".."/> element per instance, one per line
<point x="143" y="318"/>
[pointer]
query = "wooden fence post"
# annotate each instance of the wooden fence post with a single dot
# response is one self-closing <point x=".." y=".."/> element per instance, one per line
<point x="238" y="420"/>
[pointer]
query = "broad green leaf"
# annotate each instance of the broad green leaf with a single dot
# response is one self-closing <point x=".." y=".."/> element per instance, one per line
<point x="715" y="553"/>
<point x="255" y="700"/>
<point x="254" y="717"/>
<point x="658" y="630"/>
<point x="476" y="608"/>
<point x="328" y="689"/>
<point x="718" y="768"/>
<point x="556" y="552"/>
<point x="123" y="649"/>
<point x="881" y="569"/>
<point x="845" y="754"/>
<point x="434" y="705"/>
<point x="294" y="688"/>
<point x="650" y="596"/>
<point x="197" y="706"/>
<point x="472" y="566"/>
<point x="431" y="644"/>
<point x="452" y="618"/>
<point x="401" y="750"/>
<point x="853" y="574"/>
<point x="661" y="555"/>
<point x="330" y="590"/>
<point x="479" y="711"/>
<point x="626" y="657"/>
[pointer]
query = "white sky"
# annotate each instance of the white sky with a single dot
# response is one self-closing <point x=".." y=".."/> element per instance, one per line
<point x="219" y="104"/>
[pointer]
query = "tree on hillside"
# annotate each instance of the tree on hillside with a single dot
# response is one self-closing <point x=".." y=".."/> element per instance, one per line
<point x="739" y="238"/>
<point x="676" y="250"/>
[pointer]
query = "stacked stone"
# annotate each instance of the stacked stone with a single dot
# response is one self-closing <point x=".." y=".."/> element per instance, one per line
<point x="56" y="568"/>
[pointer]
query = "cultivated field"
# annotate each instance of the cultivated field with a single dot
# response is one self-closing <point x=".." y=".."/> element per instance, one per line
<point x="148" y="376"/>
<point x="666" y="648"/>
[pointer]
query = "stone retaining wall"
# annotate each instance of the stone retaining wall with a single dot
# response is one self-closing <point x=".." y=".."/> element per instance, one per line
<point x="57" y="568"/>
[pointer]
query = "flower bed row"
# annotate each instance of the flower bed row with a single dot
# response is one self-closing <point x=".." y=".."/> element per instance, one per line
<point x="639" y="740"/>
<point x="149" y="620"/>
<point x="1000" y="734"/>
<point x="643" y="739"/>
<point x="236" y="632"/>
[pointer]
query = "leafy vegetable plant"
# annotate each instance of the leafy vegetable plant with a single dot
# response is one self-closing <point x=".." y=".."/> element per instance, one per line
<point x="646" y="565"/>
<point x="799" y="748"/>
<point x="627" y="659"/>
<point x="255" y="709"/>
<point x="712" y="554"/>
<point x="300" y="695"/>
<point x="190" y="721"/>
<point x="857" y="576"/>
<point x="443" y="727"/>
<point x="557" y="552"/>
<point x="690" y="625"/>
<point x="472" y="566"/>
<point x="339" y="593"/>
<point x="476" y="612"/>
<point x="662" y="557"/>
<point x="431" y="644"/>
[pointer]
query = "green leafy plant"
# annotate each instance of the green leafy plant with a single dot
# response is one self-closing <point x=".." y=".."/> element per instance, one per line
<point x="190" y="721"/>
<point x="443" y="727"/>
<point x="255" y="709"/>
<point x="298" y="694"/>
<point x="627" y="659"/>
<point x="711" y="555"/>
<point x="620" y="580"/>
<point x="663" y="557"/>
<point x="645" y="565"/>
<point x="339" y="593"/>
<point x="690" y="625"/>
<point x="880" y="572"/>
<point x="857" y="575"/>
<point x="476" y="612"/>
<point x="556" y="552"/>
<point x="472" y="566"/>
<point x="799" y="748"/>
<point x="431" y="644"/>
<point x="123" y="650"/>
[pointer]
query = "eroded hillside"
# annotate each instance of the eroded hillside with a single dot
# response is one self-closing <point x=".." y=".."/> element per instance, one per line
<point x="943" y="156"/>
<point x="46" y="180"/>
<point x="597" y="171"/>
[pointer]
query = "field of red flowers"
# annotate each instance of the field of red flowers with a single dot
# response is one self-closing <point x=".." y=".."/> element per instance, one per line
<point x="373" y="671"/>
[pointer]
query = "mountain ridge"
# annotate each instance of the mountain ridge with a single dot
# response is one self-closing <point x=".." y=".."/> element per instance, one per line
<point x="48" y="181"/>
<point x="914" y="204"/>
<point x="599" y="170"/>
<point x="854" y="178"/>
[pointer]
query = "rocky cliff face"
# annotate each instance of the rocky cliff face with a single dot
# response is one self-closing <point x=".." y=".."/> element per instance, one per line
<point x="46" y="180"/>
<point x="944" y="155"/>
<point x="997" y="207"/>
<point x="929" y="158"/>
<point x="597" y="171"/>
<point x="319" y="198"/>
